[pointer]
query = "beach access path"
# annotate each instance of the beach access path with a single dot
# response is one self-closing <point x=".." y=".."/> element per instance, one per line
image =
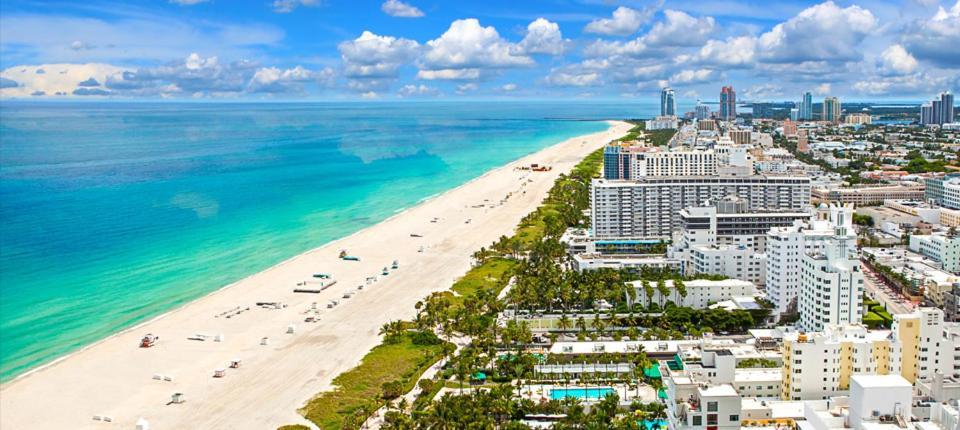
<point x="115" y="378"/>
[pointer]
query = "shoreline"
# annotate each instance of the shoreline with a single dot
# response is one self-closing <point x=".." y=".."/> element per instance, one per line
<point x="395" y="213"/>
<point x="194" y="312"/>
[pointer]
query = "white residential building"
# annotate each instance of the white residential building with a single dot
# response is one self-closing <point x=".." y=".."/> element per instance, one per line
<point x="786" y="246"/>
<point x="929" y="345"/>
<point x="662" y="122"/>
<point x="733" y="261"/>
<point x="939" y="247"/>
<point x="700" y="292"/>
<point x="819" y="365"/>
<point x="650" y="207"/>
<point x="674" y="163"/>
<point x="831" y="282"/>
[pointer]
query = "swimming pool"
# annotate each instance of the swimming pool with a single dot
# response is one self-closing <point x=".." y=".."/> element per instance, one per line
<point x="580" y="393"/>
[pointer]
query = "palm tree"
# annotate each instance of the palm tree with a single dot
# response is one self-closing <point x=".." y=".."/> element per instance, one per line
<point x="647" y="291"/>
<point x="662" y="289"/>
<point x="680" y="288"/>
<point x="564" y="322"/>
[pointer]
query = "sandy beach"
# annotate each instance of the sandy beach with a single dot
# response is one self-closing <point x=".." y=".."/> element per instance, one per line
<point x="115" y="378"/>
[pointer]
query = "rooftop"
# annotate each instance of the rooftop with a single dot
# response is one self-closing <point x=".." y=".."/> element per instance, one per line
<point x="880" y="381"/>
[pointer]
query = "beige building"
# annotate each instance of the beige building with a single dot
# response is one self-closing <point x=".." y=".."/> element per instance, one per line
<point x="867" y="195"/>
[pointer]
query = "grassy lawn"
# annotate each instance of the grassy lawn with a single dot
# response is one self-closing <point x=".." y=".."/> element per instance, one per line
<point x="361" y="386"/>
<point x="487" y="276"/>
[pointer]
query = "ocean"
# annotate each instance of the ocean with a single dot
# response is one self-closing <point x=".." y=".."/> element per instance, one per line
<point x="113" y="213"/>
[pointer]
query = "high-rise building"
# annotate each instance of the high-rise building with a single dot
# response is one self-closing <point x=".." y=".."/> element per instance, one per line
<point x="938" y="111"/>
<point x="831" y="109"/>
<point x="805" y="108"/>
<point x="926" y="114"/>
<point x="650" y="206"/>
<point x="703" y="111"/>
<point x="803" y="141"/>
<point x="831" y="282"/>
<point x="789" y="128"/>
<point x="946" y="112"/>
<point x="786" y="246"/>
<point x="728" y="103"/>
<point x="668" y="105"/>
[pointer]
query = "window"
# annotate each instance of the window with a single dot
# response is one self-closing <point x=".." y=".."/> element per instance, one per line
<point x="711" y="406"/>
<point x="697" y="420"/>
<point x="735" y="418"/>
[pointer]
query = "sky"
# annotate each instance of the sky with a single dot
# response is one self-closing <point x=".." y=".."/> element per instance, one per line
<point x="495" y="49"/>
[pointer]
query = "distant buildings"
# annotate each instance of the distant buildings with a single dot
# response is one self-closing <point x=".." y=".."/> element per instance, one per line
<point x="803" y="140"/>
<point x="805" y="107"/>
<point x="667" y="122"/>
<point x="831" y="109"/>
<point x="668" y="105"/>
<point x="943" y="190"/>
<point x="702" y="111"/>
<point x="939" y="111"/>
<point x="728" y="103"/>
<point x="858" y="118"/>
<point x="868" y="195"/>
<point x="938" y="247"/>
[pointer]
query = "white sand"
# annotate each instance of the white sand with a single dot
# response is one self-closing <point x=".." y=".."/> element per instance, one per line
<point x="114" y="377"/>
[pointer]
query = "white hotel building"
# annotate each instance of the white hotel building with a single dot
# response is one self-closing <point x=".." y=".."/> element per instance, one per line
<point x="831" y="284"/>
<point x="650" y="207"/>
<point x="786" y="246"/>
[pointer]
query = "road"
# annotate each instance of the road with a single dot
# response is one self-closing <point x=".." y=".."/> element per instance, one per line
<point x="888" y="297"/>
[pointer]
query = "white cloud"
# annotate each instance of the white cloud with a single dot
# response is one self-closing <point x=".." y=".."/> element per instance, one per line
<point x="609" y="48"/>
<point x="936" y="40"/>
<point x="509" y="87"/>
<point x="417" y="91"/>
<point x="375" y="56"/>
<point x="691" y="76"/>
<point x="59" y="78"/>
<point x="370" y="95"/>
<point x="572" y="76"/>
<point x="400" y="9"/>
<point x="896" y="60"/>
<point x="470" y="86"/>
<point x="274" y="80"/>
<point x="449" y="74"/>
<point x="823" y="89"/>
<point x="468" y="47"/>
<point x="543" y="37"/>
<point x="625" y="21"/>
<point x="680" y="29"/>
<point x="824" y="32"/>
<point x="763" y="92"/>
<point x="127" y="39"/>
<point x="735" y="51"/>
<point x="287" y="6"/>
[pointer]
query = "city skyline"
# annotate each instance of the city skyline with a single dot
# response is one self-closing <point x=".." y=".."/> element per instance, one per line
<point x="188" y="49"/>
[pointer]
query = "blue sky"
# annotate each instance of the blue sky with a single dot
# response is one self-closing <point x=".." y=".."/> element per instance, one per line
<point x="403" y="49"/>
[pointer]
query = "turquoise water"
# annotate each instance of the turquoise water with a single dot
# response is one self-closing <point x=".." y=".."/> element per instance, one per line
<point x="658" y="424"/>
<point x="580" y="393"/>
<point x="114" y="213"/>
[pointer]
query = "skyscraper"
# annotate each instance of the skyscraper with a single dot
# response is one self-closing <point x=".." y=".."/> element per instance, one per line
<point x="831" y="109"/>
<point x="702" y="111"/>
<point x="728" y="103"/>
<point x="805" y="110"/>
<point x="946" y="108"/>
<point x="938" y="111"/>
<point x="668" y="104"/>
